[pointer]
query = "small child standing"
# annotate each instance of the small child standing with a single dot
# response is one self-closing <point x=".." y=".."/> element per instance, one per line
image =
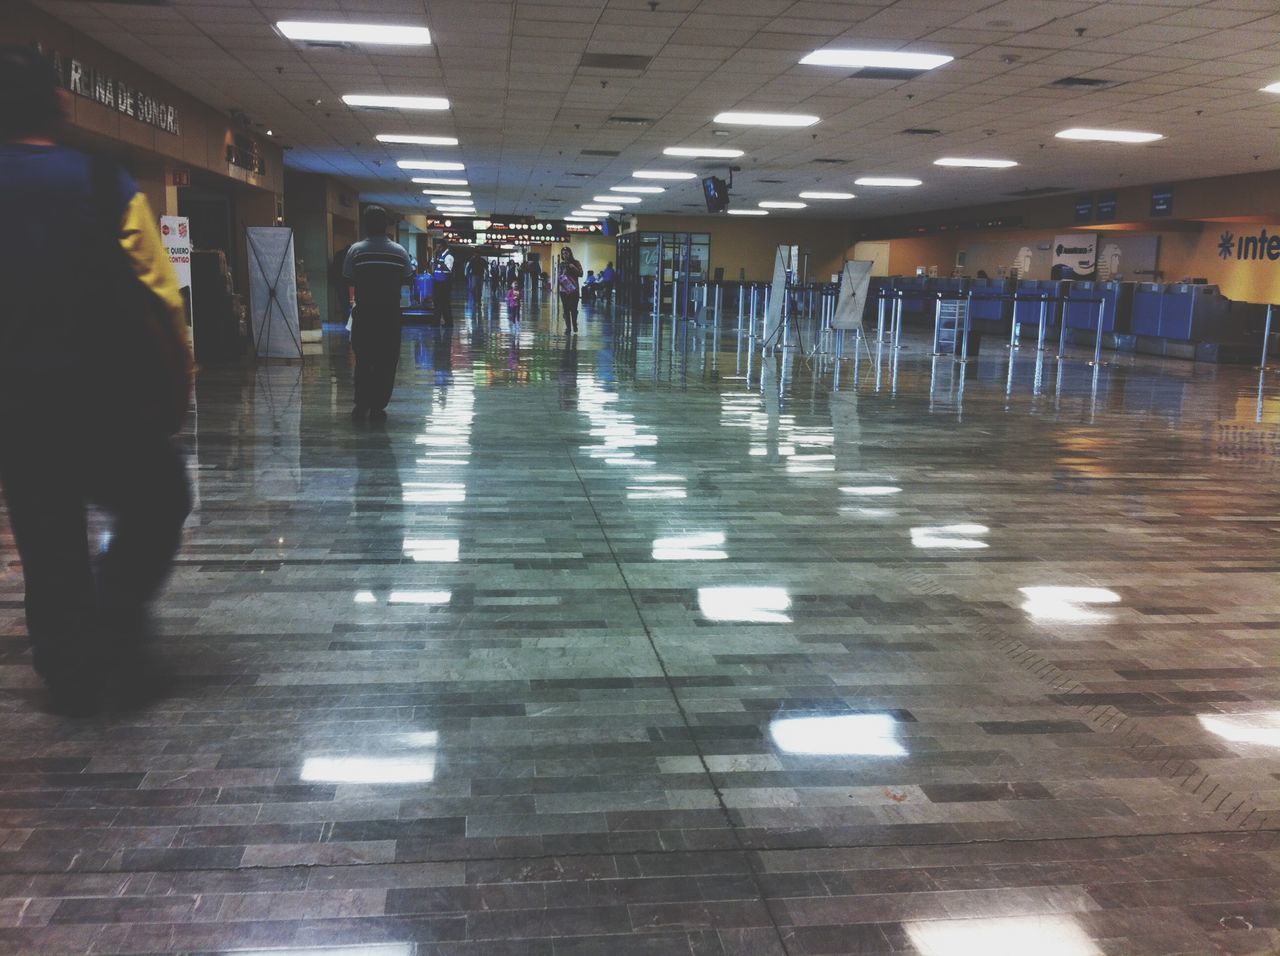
<point x="513" y="303"/>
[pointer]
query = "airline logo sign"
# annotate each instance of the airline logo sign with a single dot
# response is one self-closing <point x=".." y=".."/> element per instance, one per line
<point x="1263" y="245"/>
<point x="1077" y="254"/>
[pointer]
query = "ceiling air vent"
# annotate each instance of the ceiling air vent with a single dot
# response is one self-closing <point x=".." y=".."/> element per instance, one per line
<point x="831" y="162"/>
<point x="582" y="175"/>
<point x="1039" y="191"/>
<point x="629" y="121"/>
<point x="130" y="3"/>
<point x="601" y="152"/>
<point x="884" y="73"/>
<point x="615" y="61"/>
<point x="1082" y="82"/>
<point x="921" y="131"/>
<point x="328" y="45"/>
<point x="771" y="182"/>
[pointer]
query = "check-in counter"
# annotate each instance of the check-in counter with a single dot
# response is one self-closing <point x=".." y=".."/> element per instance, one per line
<point x="992" y="302"/>
<point x="1080" y="309"/>
<point x="1030" y="295"/>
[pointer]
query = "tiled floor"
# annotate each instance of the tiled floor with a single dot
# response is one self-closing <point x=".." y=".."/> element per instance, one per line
<point x="597" y="651"/>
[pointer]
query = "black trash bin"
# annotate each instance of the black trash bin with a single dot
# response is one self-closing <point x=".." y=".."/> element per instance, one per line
<point x="970" y="349"/>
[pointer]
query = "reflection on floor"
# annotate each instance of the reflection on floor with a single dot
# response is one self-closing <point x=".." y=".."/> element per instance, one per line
<point x="597" y="647"/>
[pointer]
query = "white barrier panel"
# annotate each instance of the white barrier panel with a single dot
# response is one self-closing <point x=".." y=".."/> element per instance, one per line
<point x="273" y="292"/>
<point x="778" y="295"/>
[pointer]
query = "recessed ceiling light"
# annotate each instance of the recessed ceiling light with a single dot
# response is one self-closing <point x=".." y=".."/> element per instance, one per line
<point x="698" y="151"/>
<point x="1110" y="135"/>
<point x="974" y="163"/>
<point x="626" y="199"/>
<point x="433" y="181"/>
<point x="814" y="195"/>
<point x="662" y="174"/>
<point x="416" y="140"/>
<point x="637" y="189"/>
<point x="858" y="59"/>
<point x="445" y="192"/>
<point x="354" y="33"/>
<point x="748" y="212"/>
<point x="581" y="218"/>
<point x="886" y="181"/>
<point x="767" y="119"/>
<point x="1270" y="88"/>
<point x="378" y="101"/>
<point x="429" y="164"/>
<point x="603" y="208"/>
<point x="777" y="204"/>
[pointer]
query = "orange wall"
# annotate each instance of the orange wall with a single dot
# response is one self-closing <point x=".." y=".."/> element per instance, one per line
<point x="751" y="243"/>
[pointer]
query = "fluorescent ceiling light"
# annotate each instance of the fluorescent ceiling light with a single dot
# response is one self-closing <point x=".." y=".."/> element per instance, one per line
<point x="814" y="195"/>
<point x="886" y="181"/>
<point x="767" y="119"/>
<point x="637" y="189"/>
<point x="974" y="163"/>
<point x="354" y="33"/>
<point x="416" y="140"/>
<point x="1110" y="135"/>
<point x="858" y="59"/>
<point x="1270" y="88"/>
<point x="445" y="192"/>
<point x="379" y="101"/>
<point x="429" y="164"/>
<point x="432" y="181"/>
<point x="603" y="208"/>
<point x="626" y="199"/>
<point x="777" y="204"/>
<point x="698" y="151"/>
<point x="662" y="174"/>
<point x="581" y="218"/>
<point x="748" y="212"/>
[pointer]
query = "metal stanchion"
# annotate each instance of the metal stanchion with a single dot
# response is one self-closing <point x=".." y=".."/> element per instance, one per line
<point x="1013" y="330"/>
<point x="883" y="297"/>
<point x="937" y="323"/>
<point x="1044" y="318"/>
<point x="1097" y="342"/>
<point x="742" y="301"/>
<point x="1062" y="334"/>
<point x="968" y="321"/>
<point x="1266" y="340"/>
<point x="896" y="342"/>
<point x="755" y="289"/>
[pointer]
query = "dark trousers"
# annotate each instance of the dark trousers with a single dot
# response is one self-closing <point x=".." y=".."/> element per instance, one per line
<point x="442" y="296"/>
<point x="82" y="613"/>
<point x="375" y="341"/>
<point x="570" y="302"/>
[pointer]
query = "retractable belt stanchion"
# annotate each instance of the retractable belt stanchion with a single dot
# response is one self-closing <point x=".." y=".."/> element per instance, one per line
<point x="896" y="341"/>
<point x="1097" y="341"/>
<point x="937" y="323"/>
<point x="1013" y="330"/>
<point x="752" y="310"/>
<point x="883" y="297"/>
<point x="1266" y="340"/>
<point x="742" y="301"/>
<point x="968" y="312"/>
<point x="1062" y="333"/>
<point x="1044" y="318"/>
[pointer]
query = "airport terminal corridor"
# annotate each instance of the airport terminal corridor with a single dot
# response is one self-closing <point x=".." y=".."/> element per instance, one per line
<point x="608" y="645"/>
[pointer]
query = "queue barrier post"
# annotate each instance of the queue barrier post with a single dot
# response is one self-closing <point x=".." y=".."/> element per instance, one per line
<point x="1097" y="341"/>
<point x="1266" y="340"/>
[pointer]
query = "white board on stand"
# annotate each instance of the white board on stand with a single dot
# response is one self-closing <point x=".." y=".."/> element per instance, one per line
<point x="853" y="295"/>
<point x="273" y="292"/>
<point x="778" y="293"/>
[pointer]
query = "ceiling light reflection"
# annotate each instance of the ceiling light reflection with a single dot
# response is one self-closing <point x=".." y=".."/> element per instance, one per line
<point x="432" y="549"/>
<point x="420" y="597"/>
<point x="760" y="605"/>
<point x="1261" y="728"/>
<point x="957" y="536"/>
<point x="416" y="769"/>
<point x="867" y="735"/>
<point x="870" y="491"/>
<point x="1064" y="604"/>
<point x="690" y="547"/>
<point x="1048" y="935"/>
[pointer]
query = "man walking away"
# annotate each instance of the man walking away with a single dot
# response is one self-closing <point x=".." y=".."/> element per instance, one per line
<point x="442" y="282"/>
<point x="95" y="378"/>
<point x="377" y="267"/>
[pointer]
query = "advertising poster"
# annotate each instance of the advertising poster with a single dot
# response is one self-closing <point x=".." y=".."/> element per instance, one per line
<point x="1075" y="256"/>
<point x="176" y="233"/>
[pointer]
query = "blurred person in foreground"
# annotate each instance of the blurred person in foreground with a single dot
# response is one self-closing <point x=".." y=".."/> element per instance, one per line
<point x="95" y="380"/>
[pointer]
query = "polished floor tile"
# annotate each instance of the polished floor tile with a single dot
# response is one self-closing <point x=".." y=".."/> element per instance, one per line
<point x="613" y="646"/>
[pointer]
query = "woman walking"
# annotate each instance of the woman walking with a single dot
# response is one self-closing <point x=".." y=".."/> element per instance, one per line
<point x="569" y="282"/>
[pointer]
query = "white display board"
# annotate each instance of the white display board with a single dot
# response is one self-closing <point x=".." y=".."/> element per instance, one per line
<point x="853" y="294"/>
<point x="176" y="233"/>
<point x="273" y="292"/>
<point x="778" y="294"/>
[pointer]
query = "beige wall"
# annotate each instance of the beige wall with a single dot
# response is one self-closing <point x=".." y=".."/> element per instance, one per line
<point x="743" y="242"/>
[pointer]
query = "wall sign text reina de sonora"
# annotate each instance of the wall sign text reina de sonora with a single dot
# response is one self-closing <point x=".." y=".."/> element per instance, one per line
<point x="94" y="84"/>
